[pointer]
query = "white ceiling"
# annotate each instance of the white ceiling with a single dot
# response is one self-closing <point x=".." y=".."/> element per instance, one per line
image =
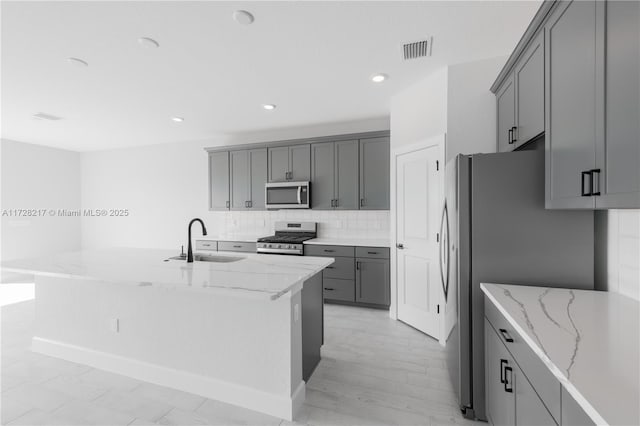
<point x="312" y="59"/>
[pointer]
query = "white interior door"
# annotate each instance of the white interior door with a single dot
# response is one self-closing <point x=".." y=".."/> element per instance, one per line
<point x="418" y="204"/>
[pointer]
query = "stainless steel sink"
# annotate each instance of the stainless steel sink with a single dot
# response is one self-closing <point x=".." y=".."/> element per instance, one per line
<point x="211" y="258"/>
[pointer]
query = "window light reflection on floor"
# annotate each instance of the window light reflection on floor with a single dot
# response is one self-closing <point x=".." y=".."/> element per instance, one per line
<point x="16" y="292"/>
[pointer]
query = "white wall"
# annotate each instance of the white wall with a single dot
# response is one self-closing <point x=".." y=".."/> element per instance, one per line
<point x="419" y="112"/>
<point x="38" y="177"/>
<point x="471" y="107"/>
<point x="164" y="186"/>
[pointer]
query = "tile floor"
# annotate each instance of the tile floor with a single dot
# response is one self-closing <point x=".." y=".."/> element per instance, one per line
<point x="374" y="371"/>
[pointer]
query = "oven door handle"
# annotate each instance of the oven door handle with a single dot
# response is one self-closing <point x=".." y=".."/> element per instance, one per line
<point x="300" y="194"/>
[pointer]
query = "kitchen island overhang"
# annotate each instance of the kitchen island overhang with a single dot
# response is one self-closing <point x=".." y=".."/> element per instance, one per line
<point x="227" y="331"/>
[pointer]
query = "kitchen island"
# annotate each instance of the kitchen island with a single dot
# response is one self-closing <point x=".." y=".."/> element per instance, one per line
<point x="240" y="328"/>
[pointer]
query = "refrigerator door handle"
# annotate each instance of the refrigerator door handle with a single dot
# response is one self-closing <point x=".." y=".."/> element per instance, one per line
<point x="444" y="250"/>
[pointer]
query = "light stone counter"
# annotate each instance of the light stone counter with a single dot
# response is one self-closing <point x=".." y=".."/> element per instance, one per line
<point x="264" y="275"/>
<point x="362" y="242"/>
<point x="588" y="339"/>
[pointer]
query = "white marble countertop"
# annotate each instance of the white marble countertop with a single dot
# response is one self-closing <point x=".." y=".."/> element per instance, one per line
<point x="255" y="274"/>
<point x="588" y="339"/>
<point x="243" y="238"/>
<point x="362" y="242"/>
<point x="252" y="238"/>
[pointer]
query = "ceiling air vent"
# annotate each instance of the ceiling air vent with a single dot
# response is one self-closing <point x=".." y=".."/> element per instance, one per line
<point x="418" y="49"/>
<point x="45" y="116"/>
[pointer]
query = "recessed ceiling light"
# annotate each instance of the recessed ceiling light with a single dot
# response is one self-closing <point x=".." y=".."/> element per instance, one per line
<point x="379" y="78"/>
<point x="45" y="116"/>
<point x="177" y="119"/>
<point x="148" y="43"/>
<point x="243" y="17"/>
<point x="269" y="107"/>
<point x="76" y="62"/>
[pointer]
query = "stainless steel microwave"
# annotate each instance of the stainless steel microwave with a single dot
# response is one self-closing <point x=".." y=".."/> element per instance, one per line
<point x="288" y="195"/>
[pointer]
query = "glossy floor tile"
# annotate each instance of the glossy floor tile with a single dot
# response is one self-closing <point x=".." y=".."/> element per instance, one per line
<point x="374" y="371"/>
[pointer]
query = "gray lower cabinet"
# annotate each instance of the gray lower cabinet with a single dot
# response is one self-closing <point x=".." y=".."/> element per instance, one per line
<point x="248" y="175"/>
<point x="506" y="115"/>
<point x="372" y="281"/>
<point x="510" y="397"/>
<point x="241" y="246"/>
<point x="359" y="275"/>
<point x="499" y="395"/>
<point x="374" y="173"/>
<point x="219" y="180"/>
<point x="618" y="157"/>
<point x="572" y="413"/>
<point x="334" y="175"/>
<point x="290" y="163"/>
<point x="573" y="101"/>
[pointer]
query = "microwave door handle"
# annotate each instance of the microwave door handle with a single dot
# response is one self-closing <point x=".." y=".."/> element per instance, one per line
<point x="300" y="194"/>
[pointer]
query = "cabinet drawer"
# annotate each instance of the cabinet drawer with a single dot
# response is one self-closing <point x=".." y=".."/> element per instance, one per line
<point x="336" y="289"/>
<point x="343" y="267"/>
<point x="236" y="246"/>
<point x="206" y="245"/>
<point x="543" y="381"/>
<point x="329" y="251"/>
<point x="373" y="252"/>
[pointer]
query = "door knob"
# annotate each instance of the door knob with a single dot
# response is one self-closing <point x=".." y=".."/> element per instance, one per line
<point x="400" y="246"/>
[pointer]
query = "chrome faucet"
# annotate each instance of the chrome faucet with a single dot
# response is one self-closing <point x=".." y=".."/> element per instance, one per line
<point x="189" y="248"/>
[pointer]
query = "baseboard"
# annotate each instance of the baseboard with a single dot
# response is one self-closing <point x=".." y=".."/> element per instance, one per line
<point x="243" y="396"/>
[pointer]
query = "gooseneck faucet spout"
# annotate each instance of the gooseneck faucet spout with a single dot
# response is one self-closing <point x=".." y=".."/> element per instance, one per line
<point x="189" y="247"/>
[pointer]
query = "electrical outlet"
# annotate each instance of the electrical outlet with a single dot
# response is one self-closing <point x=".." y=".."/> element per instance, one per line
<point x="115" y="325"/>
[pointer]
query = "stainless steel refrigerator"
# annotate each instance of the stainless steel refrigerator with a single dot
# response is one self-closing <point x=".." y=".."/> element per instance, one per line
<point x="495" y="229"/>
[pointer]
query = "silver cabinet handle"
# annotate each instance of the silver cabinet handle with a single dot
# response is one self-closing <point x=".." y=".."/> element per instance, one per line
<point x="400" y="246"/>
<point x="227" y="204"/>
<point x="361" y="202"/>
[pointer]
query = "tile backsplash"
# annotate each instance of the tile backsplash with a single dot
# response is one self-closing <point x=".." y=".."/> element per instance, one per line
<point x="331" y="224"/>
<point x="624" y="252"/>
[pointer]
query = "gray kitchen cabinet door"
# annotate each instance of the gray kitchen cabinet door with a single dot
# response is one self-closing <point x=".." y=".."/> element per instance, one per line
<point x="500" y="403"/>
<point x="239" y="172"/>
<point x="573" y="91"/>
<point x="347" y="186"/>
<point x="322" y="175"/>
<point x="506" y="119"/>
<point x="374" y="174"/>
<point x="530" y="411"/>
<point x="258" y="179"/>
<point x="529" y="80"/>
<point x="278" y="164"/>
<point x="618" y="157"/>
<point x="572" y="413"/>
<point x="300" y="163"/>
<point x="372" y="281"/>
<point x="219" y="180"/>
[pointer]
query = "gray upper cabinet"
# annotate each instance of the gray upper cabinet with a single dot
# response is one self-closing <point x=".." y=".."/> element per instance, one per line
<point x="529" y="83"/>
<point x="322" y="175"/>
<point x="258" y="170"/>
<point x="374" y="174"/>
<point x="219" y="180"/>
<point x="279" y="164"/>
<point x="239" y="167"/>
<point x="348" y="172"/>
<point x="248" y="171"/>
<point x="347" y="186"/>
<point x="574" y="121"/>
<point x="372" y="281"/>
<point x="618" y="157"/>
<point x="300" y="163"/>
<point x="290" y="163"/>
<point x="506" y="115"/>
<point x="334" y="175"/>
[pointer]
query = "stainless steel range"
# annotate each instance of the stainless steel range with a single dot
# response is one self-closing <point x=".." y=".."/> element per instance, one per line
<point x="288" y="239"/>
